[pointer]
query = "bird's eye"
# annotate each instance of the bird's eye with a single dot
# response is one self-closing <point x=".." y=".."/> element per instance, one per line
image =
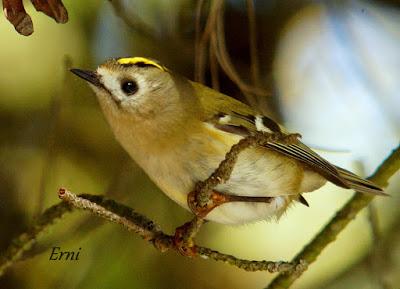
<point x="129" y="87"/>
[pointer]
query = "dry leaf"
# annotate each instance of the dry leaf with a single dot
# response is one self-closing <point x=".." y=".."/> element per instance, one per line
<point x="15" y="13"/>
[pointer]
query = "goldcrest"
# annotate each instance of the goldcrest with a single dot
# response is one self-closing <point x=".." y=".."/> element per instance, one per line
<point x="178" y="132"/>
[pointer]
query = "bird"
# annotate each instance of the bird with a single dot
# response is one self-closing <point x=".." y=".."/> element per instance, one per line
<point x="178" y="131"/>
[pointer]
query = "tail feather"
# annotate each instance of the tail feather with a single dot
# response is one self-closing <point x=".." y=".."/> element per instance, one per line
<point x="358" y="184"/>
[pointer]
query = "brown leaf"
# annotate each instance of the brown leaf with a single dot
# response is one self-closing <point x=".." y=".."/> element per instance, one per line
<point x="52" y="8"/>
<point x="16" y="14"/>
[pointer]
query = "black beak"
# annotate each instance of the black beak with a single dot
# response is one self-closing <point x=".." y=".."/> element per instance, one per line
<point x="87" y="75"/>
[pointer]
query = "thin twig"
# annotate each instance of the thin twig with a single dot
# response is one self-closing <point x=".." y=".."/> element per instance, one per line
<point x="374" y="223"/>
<point x="85" y="226"/>
<point x="254" y="62"/>
<point x="348" y="212"/>
<point x="113" y="212"/>
<point x="200" y="200"/>
<point x="375" y="266"/>
<point x="252" y="266"/>
<point x="148" y="230"/>
<point x="25" y="241"/>
<point x="225" y="168"/>
<point x="201" y="52"/>
<point x="372" y="211"/>
<point x="198" y="48"/>
<point x="376" y="269"/>
<point x="214" y="35"/>
<point x="214" y="69"/>
<point x="133" y="21"/>
<point x="221" y="52"/>
<point x="132" y="221"/>
<point x="384" y="258"/>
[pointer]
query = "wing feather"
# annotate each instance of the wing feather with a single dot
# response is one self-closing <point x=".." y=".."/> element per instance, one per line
<point x="245" y="124"/>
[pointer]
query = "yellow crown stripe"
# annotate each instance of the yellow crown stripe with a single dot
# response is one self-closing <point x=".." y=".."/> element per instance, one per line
<point x="135" y="60"/>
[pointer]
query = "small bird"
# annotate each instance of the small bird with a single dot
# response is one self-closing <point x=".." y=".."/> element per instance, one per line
<point x="179" y="131"/>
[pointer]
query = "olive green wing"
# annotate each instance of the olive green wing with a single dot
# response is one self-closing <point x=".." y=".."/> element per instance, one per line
<point x="232" y="116"/>
<point x="246" y="124"/>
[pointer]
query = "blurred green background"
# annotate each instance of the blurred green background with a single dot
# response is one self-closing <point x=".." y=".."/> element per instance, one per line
<point x="333" y="71"/>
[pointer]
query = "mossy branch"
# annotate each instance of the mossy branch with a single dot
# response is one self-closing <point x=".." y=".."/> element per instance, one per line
<point x="348" y="212"/>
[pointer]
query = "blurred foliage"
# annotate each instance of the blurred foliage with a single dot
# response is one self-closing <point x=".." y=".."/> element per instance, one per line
<point x="53" y="134"/>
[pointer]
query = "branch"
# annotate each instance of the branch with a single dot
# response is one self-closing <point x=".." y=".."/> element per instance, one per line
<point x="199" y="45"/>
<point x="132" y="221"/>
<point x="218" y="43"/>
<point x="133" y="21"/>
<point x="148" y="230"/>
<point x="25" y="241"/>
<point x="383" y="260"/>
<point x="348" y="212"/>
<point x="254" y="61"/>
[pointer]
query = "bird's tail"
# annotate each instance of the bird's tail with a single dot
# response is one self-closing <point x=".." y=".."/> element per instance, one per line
<point x="358" y="184"/>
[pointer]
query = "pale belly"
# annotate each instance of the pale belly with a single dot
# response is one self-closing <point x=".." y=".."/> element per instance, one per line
<point x="257" y="172"/>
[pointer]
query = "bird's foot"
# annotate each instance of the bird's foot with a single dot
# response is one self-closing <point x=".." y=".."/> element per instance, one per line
<point x="184" y="237"/>
<point x="201" y="204"/>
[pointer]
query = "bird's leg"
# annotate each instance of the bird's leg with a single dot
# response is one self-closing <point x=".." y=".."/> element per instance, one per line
<point x="203" y="199"/>
<point x="216" y="199"/>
